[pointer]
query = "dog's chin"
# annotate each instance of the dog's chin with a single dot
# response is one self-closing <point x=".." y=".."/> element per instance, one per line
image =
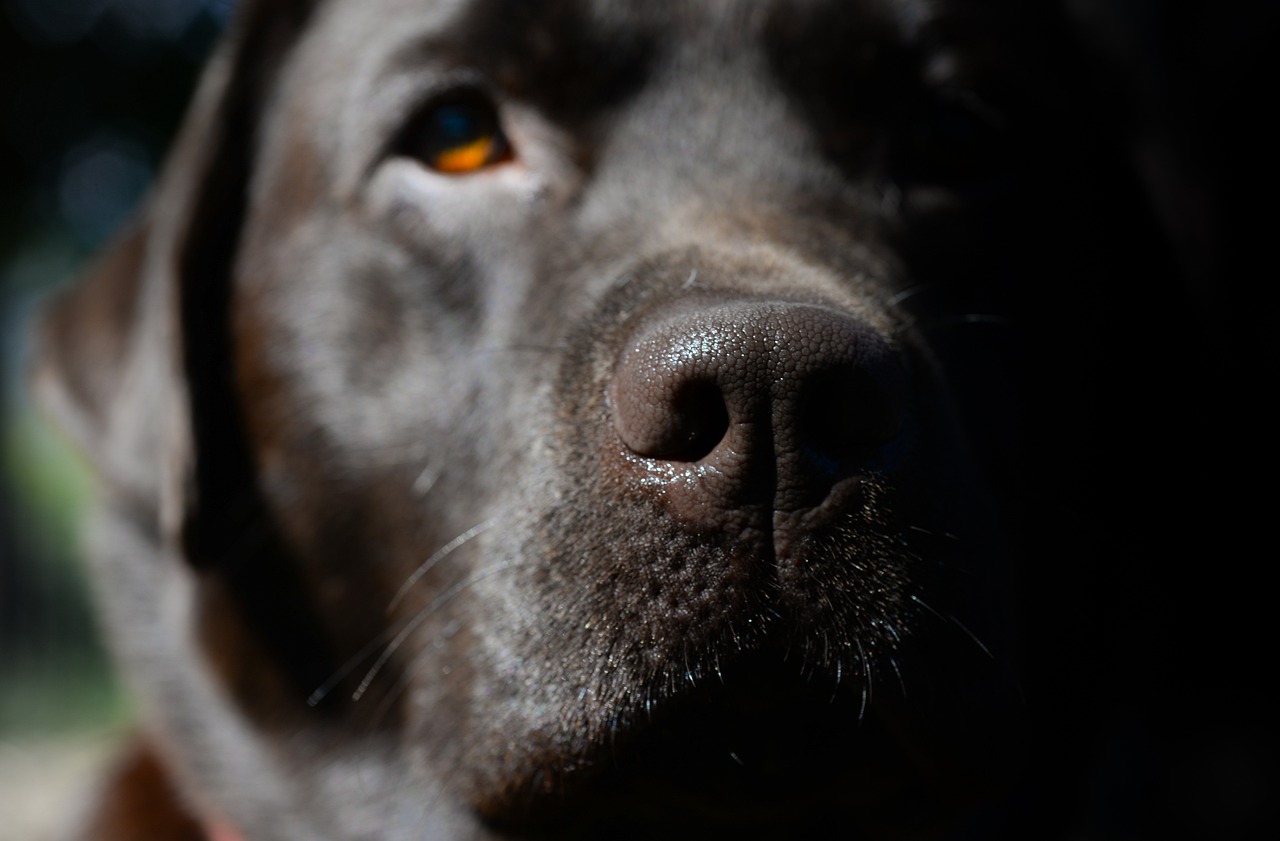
<point x="763" y="748"/>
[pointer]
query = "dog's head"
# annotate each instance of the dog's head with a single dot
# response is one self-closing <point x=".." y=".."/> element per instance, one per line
<point x="575" y="416"/>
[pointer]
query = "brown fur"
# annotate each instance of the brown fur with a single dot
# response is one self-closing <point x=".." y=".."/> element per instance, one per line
<point x="407" y="530"/>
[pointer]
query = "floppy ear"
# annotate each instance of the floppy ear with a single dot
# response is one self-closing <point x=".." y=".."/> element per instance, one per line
<point x="135" y="364"/>
<point x="132" y="361"/>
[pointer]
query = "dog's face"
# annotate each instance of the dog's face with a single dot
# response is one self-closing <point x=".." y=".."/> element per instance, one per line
<point x="535" y="418"/>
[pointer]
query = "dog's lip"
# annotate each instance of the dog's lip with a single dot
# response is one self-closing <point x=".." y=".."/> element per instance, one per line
<point x="754" y="750"/>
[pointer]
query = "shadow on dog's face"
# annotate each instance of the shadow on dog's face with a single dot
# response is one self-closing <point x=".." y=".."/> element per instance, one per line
<point x="539" y="418"/>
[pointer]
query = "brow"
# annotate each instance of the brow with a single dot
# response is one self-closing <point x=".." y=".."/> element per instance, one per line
<point x="562" y="55"/>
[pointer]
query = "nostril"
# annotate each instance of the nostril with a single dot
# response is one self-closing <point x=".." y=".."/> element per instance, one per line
<point x="699" y="422"/>
<point x="663" y="414"/>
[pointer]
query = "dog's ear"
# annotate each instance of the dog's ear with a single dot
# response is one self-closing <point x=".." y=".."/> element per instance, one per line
<point x="135" y="364"/>
<point x="132" y="361"/>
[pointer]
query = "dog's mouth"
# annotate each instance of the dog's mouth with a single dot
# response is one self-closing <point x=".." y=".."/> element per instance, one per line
<point x="776" y="713"/>
<point x="763" y="750"/>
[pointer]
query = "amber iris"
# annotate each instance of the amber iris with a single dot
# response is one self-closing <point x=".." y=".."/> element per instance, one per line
<point x="461" y="135"/>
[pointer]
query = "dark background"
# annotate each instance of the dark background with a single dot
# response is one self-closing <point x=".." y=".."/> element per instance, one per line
<point x="92" y="90"/>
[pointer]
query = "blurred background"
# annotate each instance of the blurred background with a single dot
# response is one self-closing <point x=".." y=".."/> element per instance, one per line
<point x="90" y="93"/>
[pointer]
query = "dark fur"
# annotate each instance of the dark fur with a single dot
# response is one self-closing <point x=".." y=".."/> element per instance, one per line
<point x="317" y="382"/>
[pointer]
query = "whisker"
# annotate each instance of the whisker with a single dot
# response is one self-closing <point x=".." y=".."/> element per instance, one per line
<point x="344" y="671"/>
<point x="931" y="532"/>
<point x="436" y="557"/>
<point x="952" y="620"/>
<point x="902" y="684"/>
<point x="322" y="691"/>
<point x="389" y="699"/>
<point x="427" y="479"/>
<point x="909" y="293"/>
<point x="971" y="635"/>
<point x="866" y="681"/>
<point x="421" y="616"/>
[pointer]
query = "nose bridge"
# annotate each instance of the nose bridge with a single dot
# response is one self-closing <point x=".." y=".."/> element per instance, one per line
<point x="710" y="133"/>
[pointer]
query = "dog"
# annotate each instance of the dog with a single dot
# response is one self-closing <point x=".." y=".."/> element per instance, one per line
<point x="590" y="420"/>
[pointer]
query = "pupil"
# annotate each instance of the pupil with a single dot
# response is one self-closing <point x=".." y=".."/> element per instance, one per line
<point x="457" y="125"/>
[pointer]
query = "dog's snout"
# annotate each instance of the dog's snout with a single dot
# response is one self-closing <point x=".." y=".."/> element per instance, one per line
<point x="757" y="402"/>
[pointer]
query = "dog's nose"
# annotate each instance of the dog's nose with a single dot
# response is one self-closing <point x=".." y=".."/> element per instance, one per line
<point x="749" y="403"/>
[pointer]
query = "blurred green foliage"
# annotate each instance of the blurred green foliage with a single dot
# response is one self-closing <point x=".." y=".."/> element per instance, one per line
<point x="55" y="485"/>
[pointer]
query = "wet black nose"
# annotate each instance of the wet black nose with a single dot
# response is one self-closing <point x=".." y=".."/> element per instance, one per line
<point x="753" y="402"/>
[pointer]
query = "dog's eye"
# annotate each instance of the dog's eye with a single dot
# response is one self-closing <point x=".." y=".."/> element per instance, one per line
<point x="459" y="134"/>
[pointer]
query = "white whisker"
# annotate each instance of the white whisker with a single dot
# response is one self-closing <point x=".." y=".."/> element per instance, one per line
<point x="418" y="618"/>
<point x="437" y="556"/>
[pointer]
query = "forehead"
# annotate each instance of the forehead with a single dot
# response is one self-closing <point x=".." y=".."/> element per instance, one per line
<point x="547" y="44"/>
<point x="544" y="31"/>
<point x="364" y="65"/>
<point x="493" y="16"/>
